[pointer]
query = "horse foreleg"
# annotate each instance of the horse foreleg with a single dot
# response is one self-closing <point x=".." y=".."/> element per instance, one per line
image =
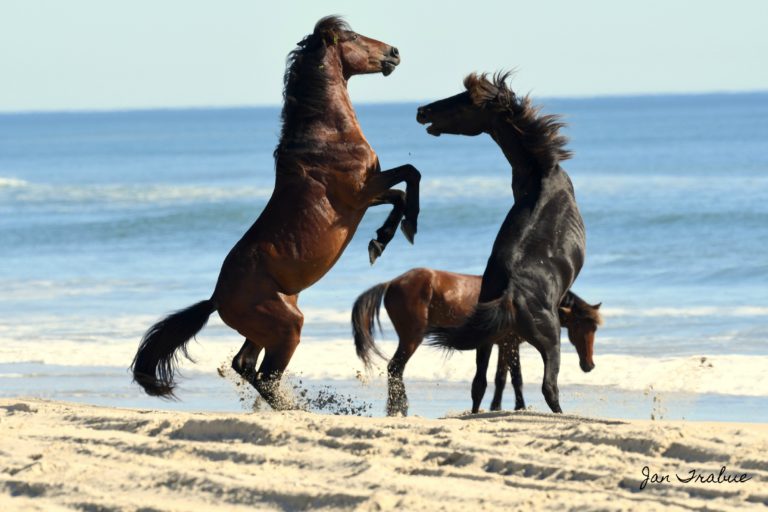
<point x="480" y="382"/>
<point x="274" y="324"/>
<point x="382" y="181"/>
<point x="501" y="376"/>
<point x="387" y="231"/>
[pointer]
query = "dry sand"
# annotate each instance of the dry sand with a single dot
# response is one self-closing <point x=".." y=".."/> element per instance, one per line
<point x="63" y="456"/>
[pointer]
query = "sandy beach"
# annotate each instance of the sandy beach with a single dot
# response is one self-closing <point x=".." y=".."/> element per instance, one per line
<point x="64" y="456"/>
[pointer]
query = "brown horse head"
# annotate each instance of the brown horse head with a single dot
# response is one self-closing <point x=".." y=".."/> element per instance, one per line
<point x="582" y="320"/>
<point x="322" y="63"/>
<point x="357" y="53"/>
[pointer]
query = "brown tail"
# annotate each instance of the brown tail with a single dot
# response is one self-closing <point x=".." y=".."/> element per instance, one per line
<point x="367" y="307"/>
<point x="156" y="360"/>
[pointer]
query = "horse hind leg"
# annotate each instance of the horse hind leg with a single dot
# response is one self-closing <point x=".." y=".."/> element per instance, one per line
<point x="501" y="376"/>
<point x="276" y="325"/>
<point x="387" y="231"/>
<point x="407" y="303"/>
<point x="516" y="373"/>
<point x="244" y="362"/>
<point x="480" y="382"/>
<point x="397" y="399"/>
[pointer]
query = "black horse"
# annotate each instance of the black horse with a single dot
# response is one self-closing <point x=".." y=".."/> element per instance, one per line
<point x="540" y="247"/>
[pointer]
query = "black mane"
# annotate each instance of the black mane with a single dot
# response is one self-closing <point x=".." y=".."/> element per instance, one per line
<point x="539" y="133"/>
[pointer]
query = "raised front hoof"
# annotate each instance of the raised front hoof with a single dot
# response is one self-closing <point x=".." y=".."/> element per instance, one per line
<point x="408" y="228"/>
<point x="556" y="409"/>
<point x="375" y="249"/>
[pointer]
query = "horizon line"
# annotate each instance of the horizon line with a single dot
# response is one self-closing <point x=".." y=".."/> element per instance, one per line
<point x="97" y="110"/>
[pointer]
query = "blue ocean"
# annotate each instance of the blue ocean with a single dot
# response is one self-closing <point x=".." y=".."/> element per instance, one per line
<point x="110" y="220"/>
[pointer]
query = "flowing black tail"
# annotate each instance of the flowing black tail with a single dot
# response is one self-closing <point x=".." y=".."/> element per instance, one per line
<point x="367" y="307"/>
<point x="490" y="321"/>
<point x="155" y="362"/>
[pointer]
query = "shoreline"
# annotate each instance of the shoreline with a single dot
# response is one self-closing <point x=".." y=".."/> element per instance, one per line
<point x="204" y="389"/>
<point x="58" y="455"/>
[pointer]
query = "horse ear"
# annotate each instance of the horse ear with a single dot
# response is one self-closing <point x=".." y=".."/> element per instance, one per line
<point x="597" y="306"/>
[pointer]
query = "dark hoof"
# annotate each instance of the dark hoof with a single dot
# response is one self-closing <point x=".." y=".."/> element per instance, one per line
<point x="409" y="229"/>
<point x="495" y="407"/>
<point x="397" y="411"/>
<point x="375" y="248"/>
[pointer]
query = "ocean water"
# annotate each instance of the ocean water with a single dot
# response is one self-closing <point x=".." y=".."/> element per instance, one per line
<point x="109" y="220"/>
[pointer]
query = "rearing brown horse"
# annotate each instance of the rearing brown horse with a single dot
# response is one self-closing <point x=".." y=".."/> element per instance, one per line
<point x="327" y="176"/>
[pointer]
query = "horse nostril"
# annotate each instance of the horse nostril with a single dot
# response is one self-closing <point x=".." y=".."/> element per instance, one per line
<point x="394" y="52"/>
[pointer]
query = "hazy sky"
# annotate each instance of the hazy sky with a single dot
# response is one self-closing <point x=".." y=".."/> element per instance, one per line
<point x="97" y="54"/>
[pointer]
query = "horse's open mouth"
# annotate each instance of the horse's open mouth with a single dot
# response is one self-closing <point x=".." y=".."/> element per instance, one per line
<point x="387" y="67"/>
<point x="423" y="118"/>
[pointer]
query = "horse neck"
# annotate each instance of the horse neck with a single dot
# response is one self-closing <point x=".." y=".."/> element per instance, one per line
<point x="338" y="123"/>
<point x="526" y="176"/>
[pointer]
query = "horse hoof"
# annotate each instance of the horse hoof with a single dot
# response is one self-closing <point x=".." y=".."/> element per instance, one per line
<point x="409" y="229"/>
<point x="375" y="248"/>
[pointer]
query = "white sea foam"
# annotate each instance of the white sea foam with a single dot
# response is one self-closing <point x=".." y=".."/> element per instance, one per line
<point x="458" y="187"/>
<point x="11" y="182"/>
<point x="113" y="343"/>
<point x="130" y="194"/>
<point x="700" y="311"/>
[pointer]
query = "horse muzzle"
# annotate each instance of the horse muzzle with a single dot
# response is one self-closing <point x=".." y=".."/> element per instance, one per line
<point x="390" y="62"/>
<point x="586" y="367"/>
<point x="423" y="117"/>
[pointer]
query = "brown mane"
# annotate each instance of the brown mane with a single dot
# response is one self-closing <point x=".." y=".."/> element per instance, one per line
<point x="305" y="81"/>
<point x="540" y="133"/>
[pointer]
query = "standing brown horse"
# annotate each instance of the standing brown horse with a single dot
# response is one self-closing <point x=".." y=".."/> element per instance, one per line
<point x="424" y="298"/>
<point x="540" y="247"/>
<point x="327" y="176"/>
